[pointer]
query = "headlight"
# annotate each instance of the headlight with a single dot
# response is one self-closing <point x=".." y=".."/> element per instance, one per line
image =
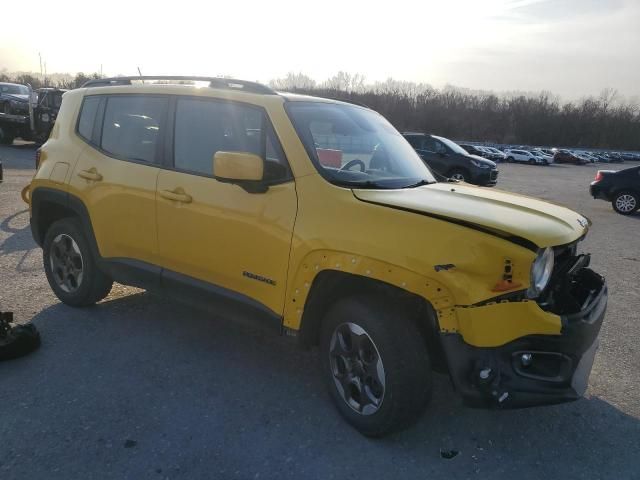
<point x="479" y="164"/>
<point x="541" y="272"/>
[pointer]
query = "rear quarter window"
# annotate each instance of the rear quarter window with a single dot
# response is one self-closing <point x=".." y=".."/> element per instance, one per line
<point x="87" y="117"/>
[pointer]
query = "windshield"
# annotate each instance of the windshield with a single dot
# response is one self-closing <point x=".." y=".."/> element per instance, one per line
<point x="14" y="89"/>
<point x="353" y="146"/>
<point x="452" y="145"/>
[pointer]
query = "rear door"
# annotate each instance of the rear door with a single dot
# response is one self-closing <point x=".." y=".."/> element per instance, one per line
<point x="116" y="173"/>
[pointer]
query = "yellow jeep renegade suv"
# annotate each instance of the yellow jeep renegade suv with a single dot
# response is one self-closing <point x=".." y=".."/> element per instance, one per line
<point x="319" y="218"/>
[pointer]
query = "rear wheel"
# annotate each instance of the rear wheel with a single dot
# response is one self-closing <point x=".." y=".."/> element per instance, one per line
<point x="625" y="203"/>
<point x="70" y="267"/>
<point x="459" y="174"/>
<point x="510" y="159"/>
<point x="532" y="161"/>
<point x="376" y="364"/>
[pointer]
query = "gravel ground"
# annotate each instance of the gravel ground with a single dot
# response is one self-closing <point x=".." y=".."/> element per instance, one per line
<point x="140" y="387"/>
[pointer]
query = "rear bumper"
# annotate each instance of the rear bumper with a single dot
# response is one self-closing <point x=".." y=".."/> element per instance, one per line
<point x="531" y="370"/>
<point x="597" y="192"/>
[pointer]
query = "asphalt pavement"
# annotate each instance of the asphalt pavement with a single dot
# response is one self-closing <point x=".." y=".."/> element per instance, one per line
<point x="141" y="387"/>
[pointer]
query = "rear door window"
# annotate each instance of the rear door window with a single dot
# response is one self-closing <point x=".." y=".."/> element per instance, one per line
<point x="133" y="127"/>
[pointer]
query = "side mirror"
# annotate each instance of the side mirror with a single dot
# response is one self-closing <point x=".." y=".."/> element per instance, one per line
<point x="243" y="168"/>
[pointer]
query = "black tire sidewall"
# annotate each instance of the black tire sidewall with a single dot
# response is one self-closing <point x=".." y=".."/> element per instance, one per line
<point x="465" y="175"/>
<point x="83" y="295"/>
<point x="394" y="413"/>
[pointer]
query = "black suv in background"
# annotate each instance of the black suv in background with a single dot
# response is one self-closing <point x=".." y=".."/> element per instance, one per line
<point x="450" y="160"/>
<point x="14" y="99"/>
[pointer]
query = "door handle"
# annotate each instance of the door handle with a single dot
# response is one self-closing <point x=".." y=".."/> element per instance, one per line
<point x="91" y="174"/>
<point x="176" y="195"/>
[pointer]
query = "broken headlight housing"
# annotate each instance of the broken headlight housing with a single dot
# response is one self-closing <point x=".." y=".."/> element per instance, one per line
<point x="541" y="272"/>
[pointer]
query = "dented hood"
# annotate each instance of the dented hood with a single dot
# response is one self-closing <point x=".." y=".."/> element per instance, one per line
<point x="506" y="214"/>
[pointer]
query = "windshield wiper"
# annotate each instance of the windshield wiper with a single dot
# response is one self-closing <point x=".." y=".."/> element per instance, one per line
<point x="363" y="184"/>
<point x="418" y="184"/>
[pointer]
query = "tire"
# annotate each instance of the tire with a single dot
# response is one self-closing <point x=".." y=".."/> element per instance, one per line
<point x="21" y="340"/>
<point x="510" y="159"/>
<point x="70" y="266"/>
<point x="532" y="161"/>
<point x="626" y="203"/>
<point x="459" y="174"/>
<point x="402" y="386"/>
<point x="6" y="108"/>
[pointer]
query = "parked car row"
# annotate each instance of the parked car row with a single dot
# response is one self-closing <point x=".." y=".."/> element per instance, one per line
<point x="546" y="156"/>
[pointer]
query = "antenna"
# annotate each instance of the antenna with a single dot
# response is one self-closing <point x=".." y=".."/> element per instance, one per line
<point x="140" y="73"/>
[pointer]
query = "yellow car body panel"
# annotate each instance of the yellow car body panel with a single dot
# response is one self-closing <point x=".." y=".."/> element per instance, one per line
<point x="540" y="222"/>
<point x="371" y="240"/>
<point x="496" y="324"/>
<point x="298" y="229"/>
<point x="227" y="236"/>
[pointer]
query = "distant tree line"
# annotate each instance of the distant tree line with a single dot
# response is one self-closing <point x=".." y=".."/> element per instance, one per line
<point x="606" y="121"/>
<point x="56" y="80"/>
<point x="541" y="119"/>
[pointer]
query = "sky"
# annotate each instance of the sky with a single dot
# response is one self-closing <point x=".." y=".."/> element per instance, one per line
<point x="571" y="48"/>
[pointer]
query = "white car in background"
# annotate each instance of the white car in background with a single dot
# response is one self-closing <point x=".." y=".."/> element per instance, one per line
<point x="548" y="159"/>
<point x="523" y="156"/>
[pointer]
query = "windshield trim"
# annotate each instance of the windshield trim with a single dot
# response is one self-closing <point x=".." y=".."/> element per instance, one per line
<point x="324" y="172"/>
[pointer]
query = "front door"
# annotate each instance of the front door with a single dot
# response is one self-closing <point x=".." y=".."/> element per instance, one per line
<point x="434" y="154"/>
<point x="218" y="232"/>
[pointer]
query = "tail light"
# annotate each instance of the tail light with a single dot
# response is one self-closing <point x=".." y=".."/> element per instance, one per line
<point x="38" y="154"/>
<point x="599" y="176"/>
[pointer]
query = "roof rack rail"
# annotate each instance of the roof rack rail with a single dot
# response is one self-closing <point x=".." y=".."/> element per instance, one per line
<point x="214" y="82"/>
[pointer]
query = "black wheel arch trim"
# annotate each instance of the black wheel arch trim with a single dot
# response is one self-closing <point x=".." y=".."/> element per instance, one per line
<point x="42" y="196"/>
<point x="331" y="285"/>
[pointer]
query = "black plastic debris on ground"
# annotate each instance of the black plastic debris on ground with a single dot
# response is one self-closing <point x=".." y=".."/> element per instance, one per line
<point x="16" y="340"/>
<point x="448" y="454"/>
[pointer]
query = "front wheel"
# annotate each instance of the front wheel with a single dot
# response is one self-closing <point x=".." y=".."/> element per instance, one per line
<point x="459" y="174"/>
<point x="376" y="364"/>
<point x="510" y="159"/>
<point x="625" y="203"/>
<point x="532" y="161"/>
<point x="70" y="266"/>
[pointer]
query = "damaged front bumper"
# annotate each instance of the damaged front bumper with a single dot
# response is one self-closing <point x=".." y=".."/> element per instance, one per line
<point x="535" y="369"/>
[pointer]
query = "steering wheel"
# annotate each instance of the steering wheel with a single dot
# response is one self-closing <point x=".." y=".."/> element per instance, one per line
<point x="351" y="163"/>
